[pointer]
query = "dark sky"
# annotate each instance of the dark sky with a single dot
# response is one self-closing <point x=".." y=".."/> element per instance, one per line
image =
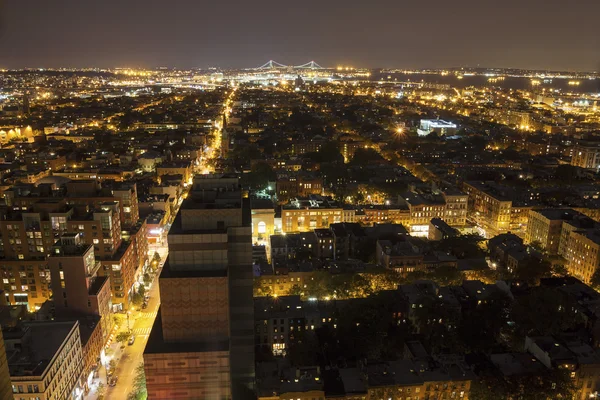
<point x="553" y="34"/>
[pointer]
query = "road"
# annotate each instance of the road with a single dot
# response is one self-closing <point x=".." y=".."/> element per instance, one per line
<point x="141" y="324"/>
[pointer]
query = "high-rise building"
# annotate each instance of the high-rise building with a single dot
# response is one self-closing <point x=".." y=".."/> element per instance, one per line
<point x="202" y="342"/>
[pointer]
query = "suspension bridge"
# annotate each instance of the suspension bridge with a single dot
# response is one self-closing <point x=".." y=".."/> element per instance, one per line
<point x="270" y="65"/>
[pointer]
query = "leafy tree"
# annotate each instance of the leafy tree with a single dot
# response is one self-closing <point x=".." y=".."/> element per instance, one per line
<point x="318" y="286"/>
<point x="362" y="327"/>
<point x="546" y="311"/>
<point x="364" y="157"/>
<point x="118" y="319"/>
<point x="259" y="177"/>
<point x="139" y="391"/>
<point x="437" y="321"/>
<point x="137" y="299"/>
<point x="595" y="280"/>
<point x="446" y="276"/>
<point x="485" y="275"/>
<point x="532" y="269"/>
<point x="295" y="290"/>
<point x="550" y="384"/>
<point x="261" y="288"/>
<point x="463" y="246"/>
<point x="122" y="337"/>
<point x="101" y="391"/>
<point x="147" y="279"/>
<point x="329" y="152"/>
<point x="566" y="173"/>
<point x="482" y="327"/>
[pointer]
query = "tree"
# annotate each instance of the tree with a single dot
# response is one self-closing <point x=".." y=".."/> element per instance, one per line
<point x="329" y="152"/>
<point x="318" y="285"/>
<point x="367" y="328"/>
<point x="259" y="177"/>
<point x="295" y="290"/>
<point x="122" y="337"/>
<point x="566" y="173"/>
<point x="101" y="391"/>
<point x="463" y="246"/>
<point x="531" y="269"/>
<point x="482" y="327"/>
<point x="155" y="261"/>
<point x="364" y="157"/>
<point x="543" y="310"/>
<point x="436" y="320"/>
<point x="261" y="288"/>
<point x="139" y="391"/>
<point x="595" y="280"/>
<point x="147" y="279"/>
<point x="446" y="276"/>
<point x="137" y="299"/>
<point x="118" y="319"/>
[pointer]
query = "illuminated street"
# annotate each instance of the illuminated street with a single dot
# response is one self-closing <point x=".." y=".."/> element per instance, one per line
<point x="141" y="323"/>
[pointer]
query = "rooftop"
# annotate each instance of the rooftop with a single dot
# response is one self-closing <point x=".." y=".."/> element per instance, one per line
<point x="41" y="343"/>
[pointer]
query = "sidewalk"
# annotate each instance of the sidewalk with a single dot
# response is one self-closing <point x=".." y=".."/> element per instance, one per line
<point x="116" y="352"/>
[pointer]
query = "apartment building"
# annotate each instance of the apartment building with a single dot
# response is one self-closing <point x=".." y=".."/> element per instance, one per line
<point x="290" y="186"/>
<point x="586" y="155"/>
<point x="77" y="287"/>
<point x="569" y="234"/>
<point x="45" y="360"/>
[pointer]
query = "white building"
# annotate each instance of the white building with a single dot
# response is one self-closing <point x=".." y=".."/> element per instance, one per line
<point x="439" y="126"/>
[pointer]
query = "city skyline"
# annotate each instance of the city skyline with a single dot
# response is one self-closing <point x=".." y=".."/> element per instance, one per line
<point x="187" y="35"/>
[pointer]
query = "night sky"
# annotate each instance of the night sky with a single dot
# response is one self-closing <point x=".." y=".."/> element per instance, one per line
<point x="544" y="34"/>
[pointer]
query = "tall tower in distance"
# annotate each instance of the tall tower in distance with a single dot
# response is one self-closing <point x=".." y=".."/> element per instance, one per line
<point x="202" y="342"/>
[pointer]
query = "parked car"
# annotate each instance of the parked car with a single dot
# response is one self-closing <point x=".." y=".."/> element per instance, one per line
<point x="113" y="381"/>
<point x="131" y="340"/>
<point x="144" y="305"/>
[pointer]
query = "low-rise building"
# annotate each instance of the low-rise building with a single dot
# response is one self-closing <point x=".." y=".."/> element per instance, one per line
<point x="306" y="214"/>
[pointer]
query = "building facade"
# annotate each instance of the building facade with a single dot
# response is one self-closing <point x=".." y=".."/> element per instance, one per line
<point x="201" y="345"/>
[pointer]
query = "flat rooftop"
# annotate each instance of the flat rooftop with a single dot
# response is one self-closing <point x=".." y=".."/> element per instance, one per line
<point x="42" y="341"/>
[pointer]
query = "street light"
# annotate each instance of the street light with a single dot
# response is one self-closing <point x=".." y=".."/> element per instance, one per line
<point x="128" y="328"/>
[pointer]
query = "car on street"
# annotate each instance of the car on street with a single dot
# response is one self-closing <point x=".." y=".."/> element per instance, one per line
<point x="113" y="381"/>
<point x="131" y="340"/>
<point x="144" y="305"/>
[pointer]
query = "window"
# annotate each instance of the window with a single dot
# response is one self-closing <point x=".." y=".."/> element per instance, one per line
<point x="262" y="227"/>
